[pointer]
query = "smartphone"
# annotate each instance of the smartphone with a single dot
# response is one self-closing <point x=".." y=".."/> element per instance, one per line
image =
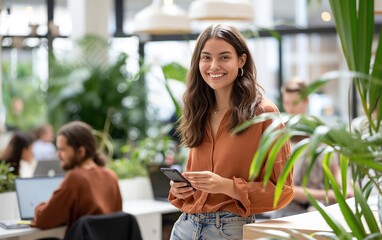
<point x="175" y="175"/>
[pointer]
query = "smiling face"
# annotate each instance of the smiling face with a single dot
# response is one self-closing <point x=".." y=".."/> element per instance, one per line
<point x="219" y="64"/>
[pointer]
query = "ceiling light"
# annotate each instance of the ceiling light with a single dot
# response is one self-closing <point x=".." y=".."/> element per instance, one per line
<point x="325" y="16"/>
<point x="222" y="10"/>
<point x="162" y="17"/>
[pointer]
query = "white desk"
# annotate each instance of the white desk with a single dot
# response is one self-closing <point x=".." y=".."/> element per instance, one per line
<point x="31" y="233"/>
<point x="149" y="216"/>
<point x="307" y="223"/>
<point x="148" y="213"/>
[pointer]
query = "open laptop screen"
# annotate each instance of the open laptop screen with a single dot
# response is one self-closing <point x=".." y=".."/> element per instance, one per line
<point x="48" y="168"/>
<point x="33" y="191"/>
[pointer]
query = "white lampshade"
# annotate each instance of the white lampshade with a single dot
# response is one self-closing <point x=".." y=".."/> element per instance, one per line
<point x="162" y="17"/>
<point x="222" y="10"/>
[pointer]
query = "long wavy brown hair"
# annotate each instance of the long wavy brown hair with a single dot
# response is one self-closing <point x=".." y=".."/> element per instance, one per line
<point x="199" y="98"/>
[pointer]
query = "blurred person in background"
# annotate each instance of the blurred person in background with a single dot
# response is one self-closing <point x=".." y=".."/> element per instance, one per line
<point x="18" y="154"/>
<point x="43" y="147"/>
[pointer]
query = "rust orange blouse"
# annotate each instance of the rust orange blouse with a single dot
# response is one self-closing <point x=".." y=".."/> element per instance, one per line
<point x="230" y="156"/>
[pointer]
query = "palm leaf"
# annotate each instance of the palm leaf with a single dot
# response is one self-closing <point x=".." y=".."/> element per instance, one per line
<point x="366" y="31"/>
<point x="369" y="216"/>
<point x="299" y="149"/>
<point x="338" y="229"/>
<point x="260" y="118"/>
<point x="344" y="14"/>
<point x="365" y="37"/>
<point x="264" y="147"/>
<point x="354" y="223"/>
<point x="344" y="166"/>
<point x="278" y="145"/>
<point x="376" y="87"/>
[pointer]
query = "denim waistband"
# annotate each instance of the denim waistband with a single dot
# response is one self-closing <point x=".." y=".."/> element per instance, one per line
<point x="217" y="217"/>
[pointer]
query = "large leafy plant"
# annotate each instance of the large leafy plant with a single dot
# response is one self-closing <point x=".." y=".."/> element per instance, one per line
<point x="362" y="153"/>
<point x="98" y="90"/>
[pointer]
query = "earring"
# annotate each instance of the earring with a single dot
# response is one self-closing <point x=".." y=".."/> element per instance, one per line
<point x="241" y="72"/>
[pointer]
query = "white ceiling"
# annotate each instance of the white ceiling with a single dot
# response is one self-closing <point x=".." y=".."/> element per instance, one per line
<point x="283" y="10"/>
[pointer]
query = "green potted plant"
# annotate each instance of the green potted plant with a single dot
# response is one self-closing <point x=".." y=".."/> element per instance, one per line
<point x="354" y="22"/>
<point x="7" y="178"/>
<point x="7" y="192"/>
<point x="127" y="168"/>
<point x="138" y="164"/>
<point x="132" y="178"/>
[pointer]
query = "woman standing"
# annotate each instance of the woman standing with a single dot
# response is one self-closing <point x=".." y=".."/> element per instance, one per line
<point x="222" y="92"/>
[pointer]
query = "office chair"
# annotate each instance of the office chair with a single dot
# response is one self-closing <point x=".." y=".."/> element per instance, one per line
<point x="116" y="226"/>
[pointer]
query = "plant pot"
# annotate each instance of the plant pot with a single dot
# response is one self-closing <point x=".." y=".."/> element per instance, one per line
<point x="135" y="188"/>
<point x="9" y="207"/>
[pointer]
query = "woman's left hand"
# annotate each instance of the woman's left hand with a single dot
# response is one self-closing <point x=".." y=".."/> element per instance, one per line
<point x="207" y="181"/>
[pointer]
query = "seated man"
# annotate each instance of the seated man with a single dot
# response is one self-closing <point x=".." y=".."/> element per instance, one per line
<point x="88" y="187"/>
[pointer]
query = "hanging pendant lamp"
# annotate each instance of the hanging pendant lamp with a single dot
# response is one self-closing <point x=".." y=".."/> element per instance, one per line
<point x="242" y="10"/>
<point x="162" y="17"/>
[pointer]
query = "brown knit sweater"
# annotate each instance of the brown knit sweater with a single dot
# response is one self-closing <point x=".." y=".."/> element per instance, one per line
<point x="82" y="192"/>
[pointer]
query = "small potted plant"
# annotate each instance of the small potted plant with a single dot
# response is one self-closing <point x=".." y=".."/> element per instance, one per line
<point x="141" y="163"/>
<point x="133" y="181"/>
<point x="7" y="192"/>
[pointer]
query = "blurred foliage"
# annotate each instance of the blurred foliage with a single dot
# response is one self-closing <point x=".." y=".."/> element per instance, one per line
<point x="23" y="99"/>
<point x="160" y="147"/>
<point x="7" y="178"/>
<point x="127" y="168"/>
<point x="98" y="91"/>
<point x="157" y="149"/>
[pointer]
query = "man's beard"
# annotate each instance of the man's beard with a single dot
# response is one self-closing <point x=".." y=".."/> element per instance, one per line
<point x="73" y="162"/>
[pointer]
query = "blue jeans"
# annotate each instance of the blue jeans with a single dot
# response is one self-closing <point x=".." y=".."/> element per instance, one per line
<point x="210" y="226"/>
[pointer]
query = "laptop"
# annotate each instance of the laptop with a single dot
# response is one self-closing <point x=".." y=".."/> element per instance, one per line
<point x="48" y="168"/>
<point x="31" y="192"/>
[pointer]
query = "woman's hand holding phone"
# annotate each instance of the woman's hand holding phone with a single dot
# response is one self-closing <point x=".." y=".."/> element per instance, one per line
<point x="179" y="190"/>
<point x="180" y="186"/>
